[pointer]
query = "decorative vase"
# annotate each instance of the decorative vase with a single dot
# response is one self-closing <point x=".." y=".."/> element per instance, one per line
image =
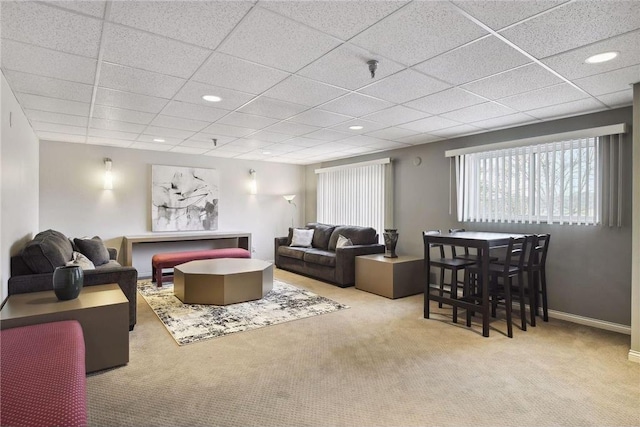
<point x="390" y="241"/>
<point x="67" y="282"/>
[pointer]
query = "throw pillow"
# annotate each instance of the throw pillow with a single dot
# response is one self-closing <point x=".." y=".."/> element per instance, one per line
<point x="343" y="241"/>
<point x="302" y="238"/>
<point x="93" y="249"/>
<point x="82" y="261"/>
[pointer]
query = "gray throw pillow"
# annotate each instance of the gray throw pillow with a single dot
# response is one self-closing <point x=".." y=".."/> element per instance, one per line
<point x="93" y="249"/>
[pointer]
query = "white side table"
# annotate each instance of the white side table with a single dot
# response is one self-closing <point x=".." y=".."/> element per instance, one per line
<point x="390" y="277"/>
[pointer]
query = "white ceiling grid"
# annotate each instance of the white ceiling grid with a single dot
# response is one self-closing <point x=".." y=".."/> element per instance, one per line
<point x="293" y="75"/>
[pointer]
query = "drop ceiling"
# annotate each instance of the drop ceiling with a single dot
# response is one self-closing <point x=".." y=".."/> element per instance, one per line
<point x="293" y="75"/>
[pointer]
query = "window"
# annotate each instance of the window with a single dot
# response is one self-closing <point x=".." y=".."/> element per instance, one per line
<point x="356" y="194"/>
<point x="569" y="181"/>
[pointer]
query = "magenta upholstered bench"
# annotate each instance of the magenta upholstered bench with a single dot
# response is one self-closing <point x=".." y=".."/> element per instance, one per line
<point x="43" y="375"/>
<point x="171" y="259"/>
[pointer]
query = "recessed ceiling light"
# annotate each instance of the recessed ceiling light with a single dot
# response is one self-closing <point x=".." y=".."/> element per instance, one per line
<point x="601" y="57"/>
<point x="211" y="98"/>
<point x="158" y="140"/>
<point x="355" y="127"/>
<point x="266" y="153"/>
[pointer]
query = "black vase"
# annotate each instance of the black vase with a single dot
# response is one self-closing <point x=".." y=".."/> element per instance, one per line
<point x="67" y="282"/>
<point x="390" y="241"/>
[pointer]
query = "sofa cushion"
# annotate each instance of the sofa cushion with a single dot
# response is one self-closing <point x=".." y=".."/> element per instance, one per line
<point x="318" y="256"/>
<point x="343" y="241"/>
<point x="358" y="235"/>
<point x="290" y="235"/>
<point x="302" y="238"/>
<point x="81" y="261"/>
<point x="94" y="249"/>
<point x="48" y="249"/>
<point x="291" y="252"/>
<point x="321" y="235"/>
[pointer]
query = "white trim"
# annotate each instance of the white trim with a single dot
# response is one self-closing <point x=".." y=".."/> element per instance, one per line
<point x="354" y="165"/>
<point x="634" y="356"/>
<point x="588" y="321"/>
<point x="554" y="137"/>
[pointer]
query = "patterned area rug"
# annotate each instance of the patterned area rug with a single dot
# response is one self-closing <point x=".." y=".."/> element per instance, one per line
<point x="190" y="323"/>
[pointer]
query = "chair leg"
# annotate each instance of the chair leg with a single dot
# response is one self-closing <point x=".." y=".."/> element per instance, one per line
<point x="153" y="274"/>
<point x="507" y="303"/>
<point x="523" y="311"/>
<point x="159" y="277"/>
<point x="454" y="292"/>
<point x="441" y="293"/>
<point x="467" y="291"/>
<point x="545" y="311"/>
<point x="533" y="295"/>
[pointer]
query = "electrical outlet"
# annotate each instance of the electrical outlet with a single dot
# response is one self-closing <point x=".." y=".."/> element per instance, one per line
<point x="253" y="249"/>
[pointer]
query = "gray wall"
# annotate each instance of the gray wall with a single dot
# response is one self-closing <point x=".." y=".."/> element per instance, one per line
<point x="73" y="201"/>
<point x="589" y="267"/>
<point x="18" y="181"/>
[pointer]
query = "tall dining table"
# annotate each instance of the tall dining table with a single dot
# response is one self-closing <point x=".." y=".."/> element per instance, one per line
<point x="483" y="242"/>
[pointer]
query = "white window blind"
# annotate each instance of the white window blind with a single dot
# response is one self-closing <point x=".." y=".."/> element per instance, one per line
<point x="358" y="194"/>
<point x="576" y="181"/>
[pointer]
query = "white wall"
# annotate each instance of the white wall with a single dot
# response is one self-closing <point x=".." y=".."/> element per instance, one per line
<point x="18" y="181"/>
<point x="73" y="201"/>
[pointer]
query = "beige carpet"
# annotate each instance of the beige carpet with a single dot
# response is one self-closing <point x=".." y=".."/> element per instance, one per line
<point x="377" y="364"/>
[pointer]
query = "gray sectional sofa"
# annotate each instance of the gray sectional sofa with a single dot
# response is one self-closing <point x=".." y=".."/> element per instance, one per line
<point x="32" y="270"/>
<point x="322" y="260"/>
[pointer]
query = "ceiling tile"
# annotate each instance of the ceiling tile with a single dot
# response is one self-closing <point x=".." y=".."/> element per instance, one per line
<point x="235" y="73"/>
<point x="457" y="131"/>
<point x="396" y="115"/>
<point x="356" y="105"/>
<point x="53" y="127"/>
<point x="319" y="118"/>
<point x="361" y="140"/>
<point x="429" y="124"/>
<point x="367" y="126"/>
<point x="129" y="101"/>
<point x="193" y="111"/>
<point x="231" y="99"/>
<point x="499" y="14"/>
<point x="50" y="27"/>
<point x="513" y="82"/>
<point x="155" y="139"/>
<point x="391" y="133"/>
<point x="418" y="32"/>
<point x="239" y="146"/>
<point x="574" y="24"/>
<point x="328" y="135"/>
<point x="94" y="140"/>
<point x="116" y="125"/>
<point x="572" y="64"/>
<point x="47" y="86"/>
<point x="405" y="86"/>
<point x="422" y="138"/>
<point x="190" y="22"/>
<point x="150" y="146"/>
<point x="346" y="66"/>
<point x="612" y="81"/>
<point x="478" y="112"/>
<point x="304" y="91"/>
<point x="251" y="142"/>
<point x="292" y="128"/>
<point x="219" y="153"/>
<point x="88" y="7"/>
<point x="283" y="148"/>
<point x="188" y="150"/>
<point x="165" y="133"/>
<point x="202" y="140"/>
<point x="133" y="48"/>
<point x="304" y="142"/>
<point x="582" y="106"/>
<point x="36" y="102"/>
<point x="119" y="114"/>
<point x="388" y="145"/>
<point x="270" y="136"/>
<point x="447" y="100"/>
<point x="338" y="18"/>
<point x="133" y="80"/>
<point x="273" y="108"/>
<point x="510" y="120"/>
<point x="470" y="62"/>
<point x="273" y="40"/>
<point x="545" y="97"/>
<point x="226" y="130"/>
<point x="64" y="137"/>
<point x="179" y="123"/>
<point x="36" y="60"/>
<point x="105" y="133"/>
<point x="247" y="120"/>
<point x="62" y="119"/>
<point x="618" y="99"/>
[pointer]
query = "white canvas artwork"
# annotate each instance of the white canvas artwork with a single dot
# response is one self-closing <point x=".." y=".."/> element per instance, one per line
<point x="184" y="199"/>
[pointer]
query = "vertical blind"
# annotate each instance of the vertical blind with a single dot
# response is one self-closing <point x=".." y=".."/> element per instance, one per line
<point x="577" y="181"/>
<point x="354" y="195"/>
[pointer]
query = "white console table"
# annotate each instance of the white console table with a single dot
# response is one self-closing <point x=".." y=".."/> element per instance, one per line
<point x="242" y="240"/>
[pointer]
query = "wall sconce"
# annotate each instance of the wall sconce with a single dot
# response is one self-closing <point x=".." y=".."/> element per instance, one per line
<point x="289" y="198"/>
<point x="108" y="175"/>
<point x="253" y="184"/>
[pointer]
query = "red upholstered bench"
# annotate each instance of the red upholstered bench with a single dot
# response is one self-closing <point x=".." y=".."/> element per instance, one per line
<point x="43" y="375"/>
<point x="171" y="259"/>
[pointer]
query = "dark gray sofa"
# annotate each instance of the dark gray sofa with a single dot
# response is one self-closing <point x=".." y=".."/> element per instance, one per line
<point x="32" y="270"/>
<point x="322" y="260"/>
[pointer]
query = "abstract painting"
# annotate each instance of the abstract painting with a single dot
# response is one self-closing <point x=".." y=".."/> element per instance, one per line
<point x="184" y="199"/>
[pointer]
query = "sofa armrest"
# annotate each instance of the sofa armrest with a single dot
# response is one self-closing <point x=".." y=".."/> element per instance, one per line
<point x="125" y="277"/>
<point x="279" y="241"/>
<point x="346" y="261"/>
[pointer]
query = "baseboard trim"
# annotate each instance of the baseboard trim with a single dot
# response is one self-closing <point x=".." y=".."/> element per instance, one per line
<point x="634" y="356"/>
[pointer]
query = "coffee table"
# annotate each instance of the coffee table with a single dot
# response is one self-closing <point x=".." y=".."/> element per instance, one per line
<point x="222" y="281"/>
<point x="103" y="313"/>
